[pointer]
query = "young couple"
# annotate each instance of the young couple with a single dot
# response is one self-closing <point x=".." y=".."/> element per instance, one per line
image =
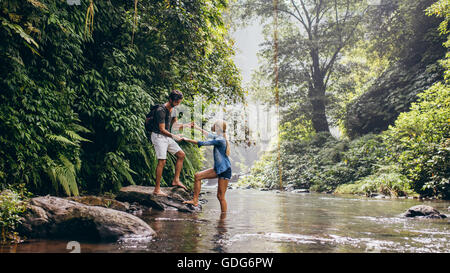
<point x="163" y="140"/>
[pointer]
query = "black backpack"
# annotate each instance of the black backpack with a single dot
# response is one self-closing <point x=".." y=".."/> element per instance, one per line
<point x="150" y="125"/>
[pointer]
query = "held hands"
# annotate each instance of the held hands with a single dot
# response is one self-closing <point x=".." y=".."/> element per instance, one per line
<point x="192" y="125"/>
<point x="180" y="138"/>
<point x="177" y="138"/>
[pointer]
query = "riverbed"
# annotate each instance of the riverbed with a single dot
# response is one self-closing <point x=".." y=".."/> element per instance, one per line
<point x="284" y="222"/>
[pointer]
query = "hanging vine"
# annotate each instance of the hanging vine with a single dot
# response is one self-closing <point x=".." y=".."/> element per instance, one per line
<point x="134" y="21"/>
<point x="89" y="23"/>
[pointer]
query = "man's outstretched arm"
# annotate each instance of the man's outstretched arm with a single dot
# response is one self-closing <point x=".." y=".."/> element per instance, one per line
<point x="162" y="129"/>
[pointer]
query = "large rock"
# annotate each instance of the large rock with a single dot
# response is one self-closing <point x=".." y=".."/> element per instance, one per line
<point x="53" y="217"/>
<point x="423" y="211"/>
<point x="91" y="200"/>
<point x="144" y="196"/>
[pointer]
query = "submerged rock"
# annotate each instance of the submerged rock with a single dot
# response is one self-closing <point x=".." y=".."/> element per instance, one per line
<point x="289" y="187"/>
<point x="300" y="191"/>
<point x="54" y="217"/>
<point x="423" y="211"/>
<point x="144" y="196"/>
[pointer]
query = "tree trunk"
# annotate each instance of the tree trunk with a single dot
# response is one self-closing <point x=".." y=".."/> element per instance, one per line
<point x="318" y="117"/>
<point x="316" y="95"/>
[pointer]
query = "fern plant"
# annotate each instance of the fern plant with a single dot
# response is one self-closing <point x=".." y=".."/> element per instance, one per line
<point x="63" y="174"/>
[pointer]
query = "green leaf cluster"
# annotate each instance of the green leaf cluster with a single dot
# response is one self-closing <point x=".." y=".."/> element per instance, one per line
<point x="12" y="206"/>
<point x="420" y="142"/>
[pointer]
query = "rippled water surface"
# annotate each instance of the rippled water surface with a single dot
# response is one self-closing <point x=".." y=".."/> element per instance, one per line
<point x="281" y="222"/>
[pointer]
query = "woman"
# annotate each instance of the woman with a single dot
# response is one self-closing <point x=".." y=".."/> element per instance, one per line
<point x="222" y="165"/>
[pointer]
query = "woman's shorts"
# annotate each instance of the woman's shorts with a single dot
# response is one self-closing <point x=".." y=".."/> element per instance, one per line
<point x="226" y="174"/>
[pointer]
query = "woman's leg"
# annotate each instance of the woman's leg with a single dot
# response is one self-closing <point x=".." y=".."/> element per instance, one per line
<point x="221" y="189"/>
<point x="209" y="173"/>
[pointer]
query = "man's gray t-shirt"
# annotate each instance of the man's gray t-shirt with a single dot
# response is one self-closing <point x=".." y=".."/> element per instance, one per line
<point x="162" y="115"/>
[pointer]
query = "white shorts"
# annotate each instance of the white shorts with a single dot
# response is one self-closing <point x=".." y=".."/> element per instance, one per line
<point x="163" y="144"/>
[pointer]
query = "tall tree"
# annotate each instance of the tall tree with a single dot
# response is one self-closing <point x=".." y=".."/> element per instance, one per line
<point x="312" y="35"/>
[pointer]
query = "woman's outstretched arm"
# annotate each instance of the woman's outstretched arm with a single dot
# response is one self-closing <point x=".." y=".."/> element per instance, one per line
<point x="211" y="142"/>
<point x="195" y="126"/>
<point x="190" y="140"/>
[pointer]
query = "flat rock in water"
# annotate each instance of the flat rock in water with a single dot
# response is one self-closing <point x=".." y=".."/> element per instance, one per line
<point x="144" y="196"/>
<point x="91" y="200"/>
<point x="54" y="217"/>
<point x="423" y="211"/>
<point x="300" y="191"/>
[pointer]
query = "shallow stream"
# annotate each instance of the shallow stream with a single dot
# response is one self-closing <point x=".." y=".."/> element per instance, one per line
<point x="259" y="221"/>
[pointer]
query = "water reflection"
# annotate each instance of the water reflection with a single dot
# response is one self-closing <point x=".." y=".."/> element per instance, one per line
<point x="222" y="236"/>
<point x="176" y="232"/>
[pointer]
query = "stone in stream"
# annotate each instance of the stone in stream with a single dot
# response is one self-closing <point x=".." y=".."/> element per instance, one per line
<point x="301" y="191"/>
<point x="144" y="196"/>
<point x="91" y="200"/>
<point x="423" y="211"/>
<point x="289" y="187"/>
<point x="54" y="217"/>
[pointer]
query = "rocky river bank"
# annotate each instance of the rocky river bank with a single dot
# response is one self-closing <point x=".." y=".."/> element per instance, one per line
<point x="97" y="218"/>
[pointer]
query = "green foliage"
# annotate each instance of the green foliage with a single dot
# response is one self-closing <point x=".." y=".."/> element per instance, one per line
<point x="442" y="9"/>
<point x="402" y="46"/>
<point x="387" y="180"/>
<point x="251" y="181"/>
<point x="298" y="128"/>
<point x="339" y="162"/>
<point x="62" y="175"/>
<point x="412" y="156"/>
<point x="75" y="89"/>
<point x="12" y="206"/>
<point x="322" y="163"/>
<point x="311" y="36"/>
<point x="416" y="152"/>
<point x="419" y="142"/>
<point x="264" y="173"/>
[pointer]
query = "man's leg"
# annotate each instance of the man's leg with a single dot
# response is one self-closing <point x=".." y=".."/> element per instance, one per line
<point x="178" y="166"/>
<point x="175" y="149"/>
<point x="160" y="144"/>
<point x="159" y="171"/>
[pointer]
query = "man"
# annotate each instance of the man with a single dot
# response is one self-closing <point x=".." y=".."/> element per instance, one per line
<point x="163" y="140"/>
